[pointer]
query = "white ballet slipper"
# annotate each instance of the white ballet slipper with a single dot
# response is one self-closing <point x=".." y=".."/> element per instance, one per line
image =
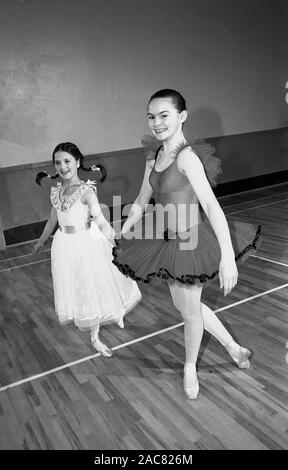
<point x="190" y="382"/>
<point x="121" y="323"/>
<point x="102" y="348"/>
<point x="239" y="355"/>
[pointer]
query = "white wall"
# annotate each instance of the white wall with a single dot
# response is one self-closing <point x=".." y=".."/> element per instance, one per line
<point x="83" y="70"/>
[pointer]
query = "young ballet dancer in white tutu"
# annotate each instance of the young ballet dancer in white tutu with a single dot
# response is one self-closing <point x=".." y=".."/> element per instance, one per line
<point x="192" y="249"/>
<point x="88" y="288"/>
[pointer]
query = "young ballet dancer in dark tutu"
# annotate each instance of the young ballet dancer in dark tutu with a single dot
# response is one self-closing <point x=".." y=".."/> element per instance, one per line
<point x="189" y="248"/>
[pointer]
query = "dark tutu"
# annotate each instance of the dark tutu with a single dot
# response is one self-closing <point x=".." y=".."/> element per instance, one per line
<point x="187" y="258"/>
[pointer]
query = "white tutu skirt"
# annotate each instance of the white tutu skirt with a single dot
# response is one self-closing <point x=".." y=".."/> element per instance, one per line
<point x="88" y="287"/>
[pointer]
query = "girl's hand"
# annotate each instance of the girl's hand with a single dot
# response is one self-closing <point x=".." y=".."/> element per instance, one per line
<point x="109" y="234"/>
<point x="37" y="248"/>
<point x="228" y="275"/>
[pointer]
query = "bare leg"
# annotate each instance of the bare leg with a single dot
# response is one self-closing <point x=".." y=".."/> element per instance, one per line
<point x="187" y="301"/>
<point x="214" y="326"/>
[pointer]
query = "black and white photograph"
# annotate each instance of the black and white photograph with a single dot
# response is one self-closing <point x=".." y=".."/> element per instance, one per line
<point x="144" y="229"/>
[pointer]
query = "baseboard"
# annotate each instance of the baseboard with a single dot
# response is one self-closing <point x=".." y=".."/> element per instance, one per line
<point x="247" y="184"/>
<point x="25" y="233"/>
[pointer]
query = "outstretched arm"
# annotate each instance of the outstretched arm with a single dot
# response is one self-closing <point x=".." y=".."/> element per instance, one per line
<point x="190" y="165"/>
<point x="90" y="198"/>
<point x="48" y="229"/>
<point x="141" y="200"/>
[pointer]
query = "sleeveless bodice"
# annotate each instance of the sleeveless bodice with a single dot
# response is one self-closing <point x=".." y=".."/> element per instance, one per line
<point x="71" y="212"/>
<point x="170" y="186"/>
<point x="173" y="192"/>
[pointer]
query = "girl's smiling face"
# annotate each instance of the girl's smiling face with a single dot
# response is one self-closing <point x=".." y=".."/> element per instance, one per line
<point x="164" y="119"/>
<point x="65" y="165"/>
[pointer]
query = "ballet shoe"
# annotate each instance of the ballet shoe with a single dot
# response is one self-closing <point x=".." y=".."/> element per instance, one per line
<point x="239" y="355"/>
<point x="121" y="323"/>
<point x="102" y="348"/>
<point x="190" y="382"/>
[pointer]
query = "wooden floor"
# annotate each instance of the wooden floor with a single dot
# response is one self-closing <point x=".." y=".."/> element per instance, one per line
<point x="56" y="393"/>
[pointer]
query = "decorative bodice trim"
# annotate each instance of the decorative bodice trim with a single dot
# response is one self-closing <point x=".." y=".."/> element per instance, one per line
<point x="65" y="205"/>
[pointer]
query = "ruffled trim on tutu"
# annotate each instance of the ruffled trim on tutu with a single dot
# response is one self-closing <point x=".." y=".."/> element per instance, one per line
<point x="188" y="279"/>
<point x="203" y="150"/>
